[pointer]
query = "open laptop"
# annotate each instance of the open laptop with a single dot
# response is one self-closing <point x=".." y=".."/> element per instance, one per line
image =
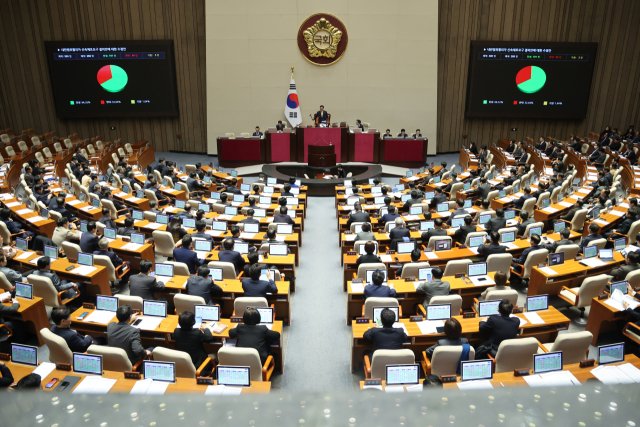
<point x="476" y="241"/>
<point x="160" y="371"/>
<point x="219" y="225"/>
<point x="619" y="244"/>
<point x="458" y="222"/>
<point x="556" y="259"/>
<point x="535" y="230"/>
<point x="51" y="252"/>
<point x="507" y="239"/>
<point x="243" y="248"/>
<point x="154" y="308"/>
<point x="266" y="316"/>
<point x="137" y="238"/>
<point x="215" y="274"/>
<point x="85" y="259"/>
<point x="612" y="353"/>
<point x="259" y="213"/>
<point x="278" y="249"/>
<point x="230" y="210"/>
<point x="202" y="248"/>
<point x="401" y="375"/>
<point x="538" y="303"/>
<point x="110" y="233"/>
<point x="590" y="252"/>
<point x="189" y="222"/>
<point x="288" y="228"/>
<point x="251" y="228"/>
<point x="483" y="219"/>
<point x="477" y="273"/>
<point x="488" y="308"/>
<point x="621" y="286"/>
<point x="24" y="354"/>
<point x="90" y="364"/>
<point x="234" y="376"/>
<point x="476" y="370"/>
<point x="370" y="274"/>
<point x="443" y="207"/>
<point x="547" y="362"/>
<point x="207" y="313"/>
<point x="162" y="219"/>
<point x="406" y="247"/>
<point x="164" y="271"/>
<point x="439" y="312"/>
<point x="137" y="215"/>
<point x="106" y="303"/>
<point x="361" y="251"/>
<point x="378" y="310"/>
<point x="427" y="225"/>
<point x="415" y="210"/>
<point x="559" y="226"/>
<point x="605" y="254"/>
<point x="25" y="290"/>
<point x="424" y="274"/>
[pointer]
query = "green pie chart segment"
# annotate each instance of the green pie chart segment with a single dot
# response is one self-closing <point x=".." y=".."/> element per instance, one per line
<point x="112" y="78"/>
<point x="531" y="79"/>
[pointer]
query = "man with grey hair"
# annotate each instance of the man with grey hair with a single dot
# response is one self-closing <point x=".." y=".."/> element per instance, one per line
<point x="400" y="230"/>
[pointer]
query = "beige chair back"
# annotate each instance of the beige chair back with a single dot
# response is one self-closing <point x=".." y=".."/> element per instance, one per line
<point x="413" y="269"/>
<point x="179" y="268"/>
<point x="500" y="262"/>
<point x="633" y="278"/>
<point x="4" y="283"/>
<point x="237" y="356"/>
<point x="573" y="345"/>
<point x="184" y="302"/>
<point x="71" y="250"/>
<point x="113" y="358"/>
<point x="510" y="294"/>
<point x="516" y="353"/>
<point x="457" y="266"/>
<point x="434" y="239"/>
<point x="445" y="359"/>
<point x="530" y="226"/>
<point x="57" y="147"/>
<point x="240" y="304"/>
<point x="492" y="195"/>
<point x="382" y="358"/>
<point x="570" y="251"/>
<point x="228" y="269"/>
<point x="362" y="269"/>
<point x="149" y="194"/>
<point x="112" y="209"/>
<point x="149" y="216"/>
<point x="164" y="243"/>
<point x="529" y="206"/>
<point x="591" y="287"/>
<point x="474" y="234"/>
<point x="43" y="288"/>
<point x="635" y="228"/>
<point x="577" y="223"/>
<point x="189" y="168"/>
<point x="454" y="190"/>
<point x="130" y="300"/>
<point x="4" y="232"/>
<point x="372" y="302"/>
<point x="454" y="300"/>
<point x="59" y="351"/>
<point x="536" y="257"/>
<point x="600" y="243"/>
<point x="105" y="261"/>
<point x="182" y="360"/>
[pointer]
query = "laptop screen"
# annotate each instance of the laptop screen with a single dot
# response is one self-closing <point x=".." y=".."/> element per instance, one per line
<point x="51" y="252"/>
<point x="619" y="244"/>
<point x="556" y="259"/>
<point x="458" y="222"/>
<point x="621" y="286"/>
<point x="476" y="370"/>
<point x="546" y="203"/>
<point x="214" y="195"/>
<point x="547" y="362"/>
<point x="425" y="274"/>
<point x="266" y="314"/>
<point x="476" y="241"/>
<point x="259" y="213"/>
<point x="284" y="229"/>
<point x="245" y="187"/>
<point x="25" y="354"/>
<point x="488" y="308"/>
<point x="189" y="222"/>
<point x="160" y="371"/>
<point x="405" y="197"/>
<point x="406" y="247"/>
<point x="415" y="210"/>
<point x="277" y="249"/>
<point x="508" y="237"/>
<point x="139" y="195"/>
<point x="164" y="270"/>
<point x="538" y="303"/>
<point x="605" y="254"/>
<point x="443" y="245"/>
<point x="378" y="310"/>
<point x="207" y="312"/>
<point x="535" y="230"/>
<point x="251" y="228"/>
<point x="426" y="225"/>
<point x="96" y="203"/>
<point x="590" y="251"/>
<point x="24" y="290"/>
<point x="180" y="204"/>
<point x="429" y="194"/>
<point x="107" y="303"/>
<point x="272" y="181"/>
<point x="361" y="251"/>
<point x="238" y="198"/>
<point x="370" y="274"/>
<point x="438" y="311"/>
<point x="265" y="200"/>
<point x="154" y="308"/>
<point x="204" y="207"/>
<point x="443" y="207"/>
<point x="230" y="210"/>
<point x="216" y="274"/>
<point x="502" y="193"/>
<point x="125" y="188"/>
<point x="87" y="363"/>
<point x="21" y="244"/>
<point x="234" y="376"/>
<point x="468" y="204"/>
<point x="611" y="353"/>
<point x="477" y="269"/>
<point x="559" y="226"/>
<point x="219" y="225"/>
<point x="466" y="186"/>
<point x="243" y="248"/>
<point x="409" y="174"/>
<point x="268" y="189"/>
<point x="399" y="187"/>
<point x="357" y="228"/>
<point x="202" y="245"/>
<point x="85" y="259"/>
<point x="510" y="214"/>
<point x="137" y="238"/>
<point x="375" y="190"/>
<point x="162" y="219"/>
<point x="138" y="215"/>
<point x="402" y="374"/>
<point x="484" y="218"/>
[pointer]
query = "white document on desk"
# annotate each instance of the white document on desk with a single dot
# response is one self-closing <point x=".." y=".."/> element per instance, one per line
<point x="133" y="199"/>
<point x="548" y="270"/>
<point x="610" y="375"/>
<point x="585" y="190"/>
<point x="431" y="255"/>
<point x="566" y="204"/>
<point x="394" y="389"/>
<point x="601" y="221"/>
<point x="510" y="245"/>
<point x="94" y="385"/>
<point x="83" y="270"/>
<point x="593" y="262"/>
<point x="534" y="318"/>
<point x="87" y="208"/>
<point x="617" y="213"/>
<point x="25" y="255"/>
<point x="157" y="388"/>
<point x="225" y="217"/>
<point x="474" y="250"/>
<point x="630" y="370"/>
<point x="141" y="387"/>
<point x="350" y="237"/>
<point x="617" y="298"/>
<point x="131" y="247"/>
<point x="429" y="326"/>
<point x="214" y="390"/>
<point x="24" y="211"/>
<point x="522" y="321"/>
<point x="35" y="219"/>
<point x="417" y="284"/>
<point x="444" y="214"/>
<point x="149" y="323"/>
<point x="100" y="316"/>
<point x="375" y="387"/>
<point x="624" y="205"/>
<point x="153" y="225"/>
<point x="402" y="326"/>
<point x="475" y="385"/>
<point x="482" y="280"/>
<point x="249" y="235"/>
<point x="44" y="369"/>
<point x="550" y="210"/>
<point x="386" y="258"/>
<point x="233" y="391"/>
<point x="12" y="204"/>
<point x="411" y="217"/>
<point x="214" y="233"/>
<point x="357" y="287"/>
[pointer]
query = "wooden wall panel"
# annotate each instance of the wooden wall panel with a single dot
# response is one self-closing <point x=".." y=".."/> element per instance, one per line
<point x="615" y="92"/>
<point x="26" y="99"/>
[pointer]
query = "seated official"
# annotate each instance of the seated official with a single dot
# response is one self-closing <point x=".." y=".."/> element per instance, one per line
<point x="501" y="284"/>
<point x="103" y="245"/>
<point x="286" y="191"/>
<point x="579" y="205"/>
<point x="415" y="258"/>
<point x="524" y="222"/>
<point x="402" y="134"/>
<point x="484" y="208"/>
<point x="186" y="212"/>
<point x="459" y="210"/>
<point x="358" y="216"/>
<point x="64" y="232"/>
<point x="625" y="226"/>
<point x="526" y="196"/>
<point x="13" y="226"/>
<point x="127" y="229"/>
<point x="250" y="219"/>
<point x="233" y="187"/>
<point x="495" y="224"/>
<point x="632" y="262"/>
<point x="565" y="233"/>
<point x="229" y="255"/>
<point x="499" y="327"/>
<point x="535" y="242"/>
<point x="272" y="238"/>
<point x="494" y="247"/>
<point x="386" y="337"/>
<point x="437" y="231"/>
<point x="89" y="239"/>
<point x="187" y="255"/>
<point x="461" y="233"/>
<point x="483" y="189"/>
<point x="377" y="288"/>
<point x="369" y="256"/>
<point x="434" y="288"/>
<point x="106" y="219"/>
<point x="123" y="335"/>
<point x="15" y="324"/>
<point x="366" y="233"/>
<point x="77" y="343"/>
<point x="193" y="183"/>
<point x="120" y="208"/>
<point x="253" y="258"/>
<point x="594" y="234"/>
<point x="234" y="230"/>
<point x="283" y="217"/>
<point x="200" y="233"/>
<point x="391" y="215"/>
<point x="452" y="332"/>
<point x="251" y="334"/>
<point x="192" y="341"/>
<point x="11" y="275"/>
<point x="44" y="270"/>
<point x="399" y="231"/>
<point x="199" y="197"/>
<point x="175" y="228"/>
<point x="254" y="287"/>
<point x="201" y="286"/>
<point x="144" y="285"/>
<point x="321" y="116"/>
<point x="416" y="199"/>
<point x="279" y="127"/>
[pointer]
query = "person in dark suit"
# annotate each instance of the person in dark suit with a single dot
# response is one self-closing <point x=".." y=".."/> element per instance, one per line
<point x="186" y="255"/>
<point x="386" y="337"/>
<point x="162" y="199"/>
<point x="229" y="255"/>
<point x="437" y="231"/>
<point x="631" y="264"/>
<point x="594" y="234"/>
<point x="518" y="263"/>
<point x="452" y="332"/>
<point x="511" y="147"/>
<point x="358" y="216"/>
<point x="559" y="166"/>
<point x="523" y="159"/>
<point x="127" y="229"/>
<point x="519" y="150"/>
<point x="78" y="155"/>
<point x="287" y="191"/>
<point x="400" y="230"/>
<point x="193" y="183"/>
<point x="434" y="288"/>
<point x="542" y="188"/>
<point x="454" y="180"/>
<point x="283" y="217"/>
<point x="106" y="219"/>
<point x="257" y="132"/>
<point x="160" y="166"/>
<point x="13" y="226"/>
<point x="572" y="212"/>
<point x="616" y="144"/>
<point x="402" y="134"/>
<point x="625" y="226"/>
<point x="483" y="189"/>
<point x="321" y="115"/>
<point x="376" y="288"/>
<point x="565" y="233"/>
<point x="143" y="285"/>
<point x="359" y="125"/>
<point x="483" y="154"/>
<point x="473" y="147"/>
<point x="16" y="325"/>
<point x="44" y="270"/>
<point x="59" y="207"/>
<point x="254" y="287"/>
<point x="391" y="215"/>
<point x="526" y="196"/>
<point x="103" y="245"/>
<point x="524" y="221"/>
<point x="492" y="248"/>
<point x="495" y="224"/>
<point x="542" y="144"/>
<point x="500" y="327"/>
<point x="461" y="233"/>
<point x="279" y="127"/>
<point x="460" y="210"/>
<point x="369" y="256"/>
<point x="200" y="226"/>
<point x="200" y="285"/>
<point x="119" y="206"/>
<point x="233" y="187"/>
<point x="250" y="219"/>
<point x="253" y="258"/>
<point x="77" y="343"/>
<point x="123" y="335"/>
<point x="341" y="173"/>
<point x="192" y="341"/>
<point x="251" y="334"/>
<point x="629" y="154"/>
<point x="40" y="195"/>
<point x="438" y="198"/>
<point x="89" y="239"/>
<point x="415" y="258"/>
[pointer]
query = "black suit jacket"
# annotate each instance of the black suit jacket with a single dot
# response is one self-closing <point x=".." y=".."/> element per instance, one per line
<point x="462" y="232"/>
<point x="500" y="328"/>
<point x="324" y="116"/>
<point x="283" y="219"/>
<point x="359" y="216"/>
<point x="525" y="254"/>
<point x="366" y="259"/>
<point x="205" y="288"/>
<point x="89" y="243"/>
<point x="434" y="232"/>
<point x="192" y="342"/>
<point x="386" y="338"/>
<point x="255" y="336"/>
<point x="258" y="288"/>
<point x="77" y="342"/>
<point x="585" y="241"/>
<point x="233" y="257"/>
<point x="143" y="286"/>
<point x="490" y="249"/>
<point x="399" y="232"/>
<point x="483" y="191"/>
<point x="495" y="224"/>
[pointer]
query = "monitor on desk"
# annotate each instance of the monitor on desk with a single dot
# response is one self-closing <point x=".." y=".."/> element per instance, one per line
<point x="468" y="204"/>
<point x="547" y="362"/>
<point x="85" y="259"/>
<point x="357" y="228"/>
<point x="251" y="228"/>
<point x="139" y="195"/>
<point x="138" y="215"/>
<point x="180" y="204"/>
<point x="390" y="226"/>
<point x="415" y="210"/>
<point x="259" y="213"/>
<point x="272" y="181"/>
<point x="379" y="200"/>
<point x="376" y="190"/>
<point x="278" y="249"/>
<point x="556" y="259"/>
<point x="443" y="245"/>
<point x="488" y="308"/>
<point x="154" y="308"/>
<point x="438" y="311"/>
<point x="137" y="238"/>
<point x="538" y="303"/>
<point x="165" y="182"/>
<point x="219" y="225"/>
<point x="238" y="198"/>
<point x="621" y="286"/>
<point x="476" y="370"/>
<point x="22" y="244"/>
<point x="110" y="233"/>
<point x="209" y="313"/>
<point x="214" y="196"/>
<point x="288" y="228"/>
<point x="230" y="210"/>
<point x="619" y="244"/>
<point x="24" y="290"/>
<point x="203" y="245"/>
<point x="126" y="189"/>
<point x="188" y="222"/>
<point x="595" y="213"/>
<point x="378" y="310"/>
<point x="216" y="274"/>
<point x="424" y="274"/>
<point x="427" y="225"/>
<point x="458" y="222"/>
<point x="429" y="194"/>
<point x="535" y="230"/>
<point x="234" y="376"/>
<point x="384" y="210"/>
<point x="162" y="219"/>
<point x="370" y="274"/>
<point x="405" y="197"/>
<point x="559" y="226"/>
<point x="90" y="364"/>
<point x="590" y="251"/>
<point x="477" y="269"/>
<point x="243" y="248"/>
<point x="245" y="187"/>
<point x="178" y="186"/>
<point x="546" y="203"/>
<point x="265" y="200"/>
<point x="107" y="303"/>
<point x="443" y="207"/>
<point x="466" y="186"/>
<point x="612" y="353"/>
<point x="605" y="254"/>
<point x="81" y="197"/>
<point x="24" y="354"/>
<point x="96" y="203"/>
<point x="204" y="207"/>
<point x="409" y="174"/>
<point x="436" y="179"/>
<point x="361" y="251"/>
<point x="502" y="193"/>
<point x="51" y="252"/>
<point x="399" y="188"/>
<point x="296" y="190"/>
<point x="509" y="214"/>
<point x="476" y="241"/>
<point x="164" y="270"/>
<point x="267" y="189"/>
<point x="400" y="375"/>
<point x="160" y="371"/>
<point x="266" y="315"/>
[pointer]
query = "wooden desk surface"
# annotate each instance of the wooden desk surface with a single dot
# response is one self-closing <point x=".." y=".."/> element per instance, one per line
<point x="182" y="385"/>
<point x="228" y="286"/>
<point x="456" y="284"/>
<point x="44" y="226"/>
<point x="33" y="313"/>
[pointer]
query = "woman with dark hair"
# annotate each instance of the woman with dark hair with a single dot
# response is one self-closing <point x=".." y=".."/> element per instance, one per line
<point x="452" y="332"/>
<point x="175" y="228"/>
<point x="630" y="134"/>
<point x="251" y="334"/>
<point x="192" y="341"/>
<point x="473" y="148"/>
<point x="606" y="131"/>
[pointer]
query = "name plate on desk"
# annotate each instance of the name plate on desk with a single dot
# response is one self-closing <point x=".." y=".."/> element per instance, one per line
<point x="63" y="366"/>
<point x="603" y="296"/>
<point x="579" y="258"/>
<point x="373" y="381"/>
<point x="356" y="281"/>
<point x="521" y="372"/>
<point x="449" y="378"/>
<point x="5" y="356"/>
<point x="459" y="275"/>
<point x="88" y="305"/>
<point x="587" y="363"/>
<point x="362" y="320"/>
<point x="518" y="310"/>
<point x="351" y="252"/>
<point x="204" y="380"/>
<point x="236" y="319"/>
<point x="391" y="252"/>
<point x="468" y="315"/>
<point x="410" y="279"/>
<point x="542" y="265"/>
<point x="132" y="375"/>
<point x="416" y="319"/>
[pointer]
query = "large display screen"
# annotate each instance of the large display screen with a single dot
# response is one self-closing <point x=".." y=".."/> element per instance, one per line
<point x="530" y="79"/>
<point x="113" y="78"/>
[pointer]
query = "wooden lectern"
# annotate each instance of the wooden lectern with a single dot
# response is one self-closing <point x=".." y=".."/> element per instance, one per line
<point x="322" y="156"/>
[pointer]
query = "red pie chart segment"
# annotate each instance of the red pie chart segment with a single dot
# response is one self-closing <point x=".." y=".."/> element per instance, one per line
<point x="104" y="74"/>
<point x="523" y="75"/>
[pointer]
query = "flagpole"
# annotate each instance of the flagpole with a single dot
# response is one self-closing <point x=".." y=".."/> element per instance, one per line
<point x="292" y="73"/>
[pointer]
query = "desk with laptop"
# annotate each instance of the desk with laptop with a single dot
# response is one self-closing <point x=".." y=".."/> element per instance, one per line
<point x="32" y="310"/>
<point x="607" y="314"/>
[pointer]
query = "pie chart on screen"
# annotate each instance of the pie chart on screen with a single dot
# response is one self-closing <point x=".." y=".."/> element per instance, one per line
<point x="531" y="79"/>
<point x="112" y="78"/>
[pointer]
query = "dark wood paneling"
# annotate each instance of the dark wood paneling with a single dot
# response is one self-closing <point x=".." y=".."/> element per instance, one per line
<point x="615" y="92"/>
<point x="26" y="99"/>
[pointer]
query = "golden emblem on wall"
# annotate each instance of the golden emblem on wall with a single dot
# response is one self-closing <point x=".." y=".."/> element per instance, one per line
<point x="322" y="39"/>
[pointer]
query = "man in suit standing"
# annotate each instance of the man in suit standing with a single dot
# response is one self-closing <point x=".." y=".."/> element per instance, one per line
<point x="436" y="231"/>
<point x="495" y="224"/>
<point x="594" y="234"/>
<point x="483" y="154"/>
<point x="499" y="327"/>
<point x="359" y="125"/>
<point x="434" y="288"/>
<point x="462" y="232"/>
<point x="387" y="337"/>
<point x="358" y="216"/>
<point x="321" y="115"/>
<point x="201" y="286"/>
<point x="77" y="343"/>
<point x="526" y="196"/>
<point x="400" y="230"/>
<point x="376" y="288"/>
<point x="492" y="248"/>
<point x="229" y="255"/>
<point x="186" y="255"/>
<point x="123" y="335"/>
<point x="254" y="287"/>
<point x="89" y="239"/>
<point x="524" y="221"/>
<point x="143" y="285"/>
<point x="257" y="132"/>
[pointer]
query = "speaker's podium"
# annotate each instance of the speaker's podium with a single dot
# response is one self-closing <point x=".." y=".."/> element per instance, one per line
<point x="322" y="156"/>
